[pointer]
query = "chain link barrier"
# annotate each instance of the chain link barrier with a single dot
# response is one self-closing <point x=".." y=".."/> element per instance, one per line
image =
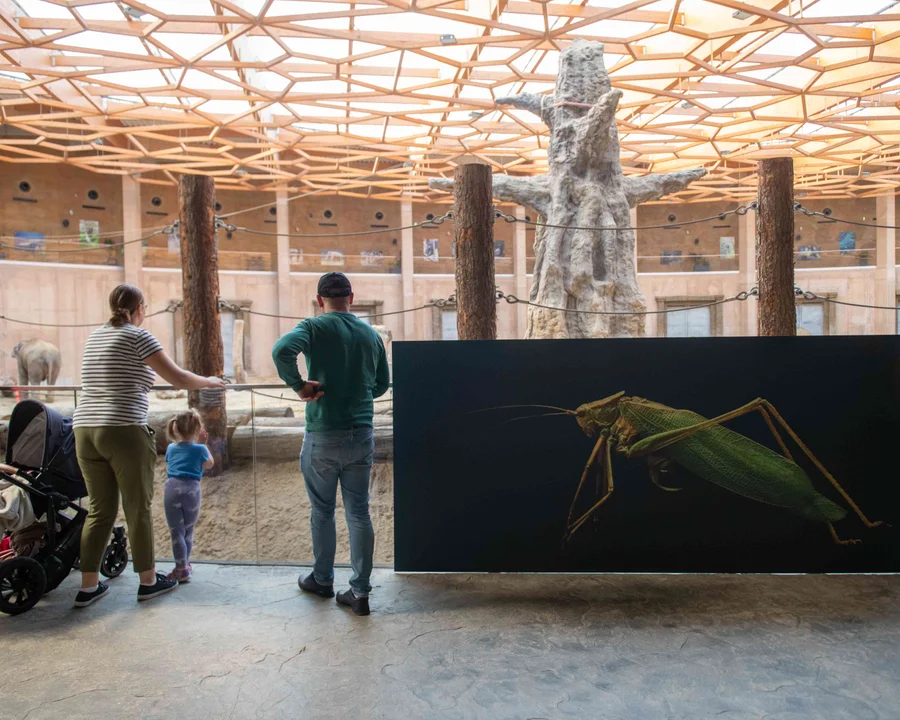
<point x="742" y="210"/>
<point x="170" y="308"/>
<point x="230" y="227"/>
<point x="829" y="216"/>
<point x="740" y="297"/>
<point x="809" y="295"/>
<point x="500" y="295"/>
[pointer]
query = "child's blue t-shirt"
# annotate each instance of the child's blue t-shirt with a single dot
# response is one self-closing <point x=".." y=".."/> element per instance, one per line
<point x="185" y="460"/>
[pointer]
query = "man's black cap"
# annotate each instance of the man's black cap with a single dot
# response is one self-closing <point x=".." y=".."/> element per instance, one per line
<point x="334" y="285"/>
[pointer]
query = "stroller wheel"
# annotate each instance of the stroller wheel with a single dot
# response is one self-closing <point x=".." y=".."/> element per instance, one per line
<point x="116" y="556"/>
<point x="22" y="583"/>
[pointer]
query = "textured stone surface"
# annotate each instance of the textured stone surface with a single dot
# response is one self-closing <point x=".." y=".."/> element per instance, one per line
<point x="241" y="642"/>
<point x="578" y="269"/>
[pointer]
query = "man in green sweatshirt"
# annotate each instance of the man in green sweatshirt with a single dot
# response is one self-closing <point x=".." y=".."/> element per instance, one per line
<point x="347" y="369"/>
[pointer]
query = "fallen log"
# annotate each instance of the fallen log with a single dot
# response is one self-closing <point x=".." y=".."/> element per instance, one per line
<point x="284" y="443"/>
<point x="157" y="420"/>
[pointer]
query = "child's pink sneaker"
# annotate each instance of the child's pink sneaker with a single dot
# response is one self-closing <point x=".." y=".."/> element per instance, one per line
<point x="182" y="575"/>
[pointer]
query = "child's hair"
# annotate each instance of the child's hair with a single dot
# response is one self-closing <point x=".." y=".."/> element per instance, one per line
<point x="184" y="427"/>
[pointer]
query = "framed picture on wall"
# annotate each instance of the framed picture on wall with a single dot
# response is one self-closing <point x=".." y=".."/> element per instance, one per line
<point x="810" y="252"/>
<point x="499" y="248"/>
<point x="296" y="256"/>
<point x="29" y="240"/>
<point x="430" y="250"/>
<point x="670" y="257"/>
<point x="726" y="247"/>
<point x="372" y="257"/>
<point x="847" y="242"/>
<point x="332" y="257"/>
<point x="89" y="232"/>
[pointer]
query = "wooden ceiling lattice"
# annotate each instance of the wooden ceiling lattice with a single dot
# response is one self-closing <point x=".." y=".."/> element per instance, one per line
<point x="374" y="97"/>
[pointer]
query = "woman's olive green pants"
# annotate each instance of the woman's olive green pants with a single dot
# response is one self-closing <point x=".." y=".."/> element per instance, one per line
<point x="117" y="459"/>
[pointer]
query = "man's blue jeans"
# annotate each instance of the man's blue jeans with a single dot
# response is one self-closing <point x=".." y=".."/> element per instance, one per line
<point x="327" y="458"/>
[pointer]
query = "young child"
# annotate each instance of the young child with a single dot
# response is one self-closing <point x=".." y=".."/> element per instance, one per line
<point x="186" y="457"/>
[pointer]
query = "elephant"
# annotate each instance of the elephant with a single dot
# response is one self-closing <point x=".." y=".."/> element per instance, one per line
<point x="38" y="361"/>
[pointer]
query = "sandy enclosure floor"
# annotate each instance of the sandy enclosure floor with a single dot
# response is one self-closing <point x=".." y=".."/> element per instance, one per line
<point x="272" y="523"/>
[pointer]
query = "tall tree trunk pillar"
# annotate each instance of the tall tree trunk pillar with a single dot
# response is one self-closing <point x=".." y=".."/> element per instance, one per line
<point x="584" y="269"/>
<point x="203" y="352"/>
<point x="775" y="255"/>
<point x="473" y="215"/>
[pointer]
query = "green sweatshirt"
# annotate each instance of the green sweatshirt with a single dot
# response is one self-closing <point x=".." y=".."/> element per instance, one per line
<point x="344" y="354"/>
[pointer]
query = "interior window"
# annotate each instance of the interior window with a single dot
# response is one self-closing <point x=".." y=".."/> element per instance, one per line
<point x="448" y="325"/>
<point x="695" y="322"/>
<point x="811" y="319"/>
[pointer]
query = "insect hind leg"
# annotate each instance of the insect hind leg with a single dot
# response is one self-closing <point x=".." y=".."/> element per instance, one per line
<point x="837" y="539"/>
<point x="815" y="461"/>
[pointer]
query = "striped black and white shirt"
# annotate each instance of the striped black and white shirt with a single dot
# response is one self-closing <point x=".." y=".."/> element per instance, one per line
<point x="114" y="378"/>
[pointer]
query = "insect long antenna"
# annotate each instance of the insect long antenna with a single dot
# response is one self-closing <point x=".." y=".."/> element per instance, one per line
<point x="562" y="411"/>
<point x="530" y="417"/>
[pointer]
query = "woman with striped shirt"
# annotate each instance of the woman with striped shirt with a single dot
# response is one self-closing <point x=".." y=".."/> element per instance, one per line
<point x="115" y="446"/>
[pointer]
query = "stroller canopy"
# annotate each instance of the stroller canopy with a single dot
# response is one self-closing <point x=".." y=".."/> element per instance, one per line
<point x="41" y="439"/>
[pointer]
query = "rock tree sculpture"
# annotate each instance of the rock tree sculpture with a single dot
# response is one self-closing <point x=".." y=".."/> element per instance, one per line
<point x="582" y="269"/>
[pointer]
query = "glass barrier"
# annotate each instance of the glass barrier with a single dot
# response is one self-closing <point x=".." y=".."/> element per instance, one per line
<point x="337" y="260"/>
<point x="255" y="508"/>
<point x="156" y="256"/>
<point x="689" y="262"/>
<point x="425" y="265"/>
<point x="815" y="257"/>
<point x="66" y="251"/>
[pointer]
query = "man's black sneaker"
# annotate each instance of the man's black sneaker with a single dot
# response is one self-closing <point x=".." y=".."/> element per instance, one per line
<point x="83" y="599"/>
<point x="309" y="584"/>
<point x="359" y="605"/>
<point x="160" y="587"/>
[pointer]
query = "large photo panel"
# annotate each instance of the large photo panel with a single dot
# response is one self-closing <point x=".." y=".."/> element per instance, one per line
<point x="648" y="455"/>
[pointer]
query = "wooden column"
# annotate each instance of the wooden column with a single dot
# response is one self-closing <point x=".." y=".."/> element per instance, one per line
<point x="473" y="215"/>
<point x="775" y="232"/>
<point x="133" y="253"/>
<point x="746" y="250"/>
<point x="886" y="265"/>
<point x="203" y="352"/>
<point x="407" y="269"/>
<point x="521" y="270"/>
<point x="282" y="218"/>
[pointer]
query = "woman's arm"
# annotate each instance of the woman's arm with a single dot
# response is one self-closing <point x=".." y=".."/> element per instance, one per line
<point x="178" y="377"/>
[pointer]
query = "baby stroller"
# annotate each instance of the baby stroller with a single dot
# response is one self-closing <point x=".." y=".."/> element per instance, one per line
<point x="41" y="446"/>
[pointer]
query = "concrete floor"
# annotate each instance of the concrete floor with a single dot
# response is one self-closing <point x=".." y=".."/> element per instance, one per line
<point x="241" y="642"/>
